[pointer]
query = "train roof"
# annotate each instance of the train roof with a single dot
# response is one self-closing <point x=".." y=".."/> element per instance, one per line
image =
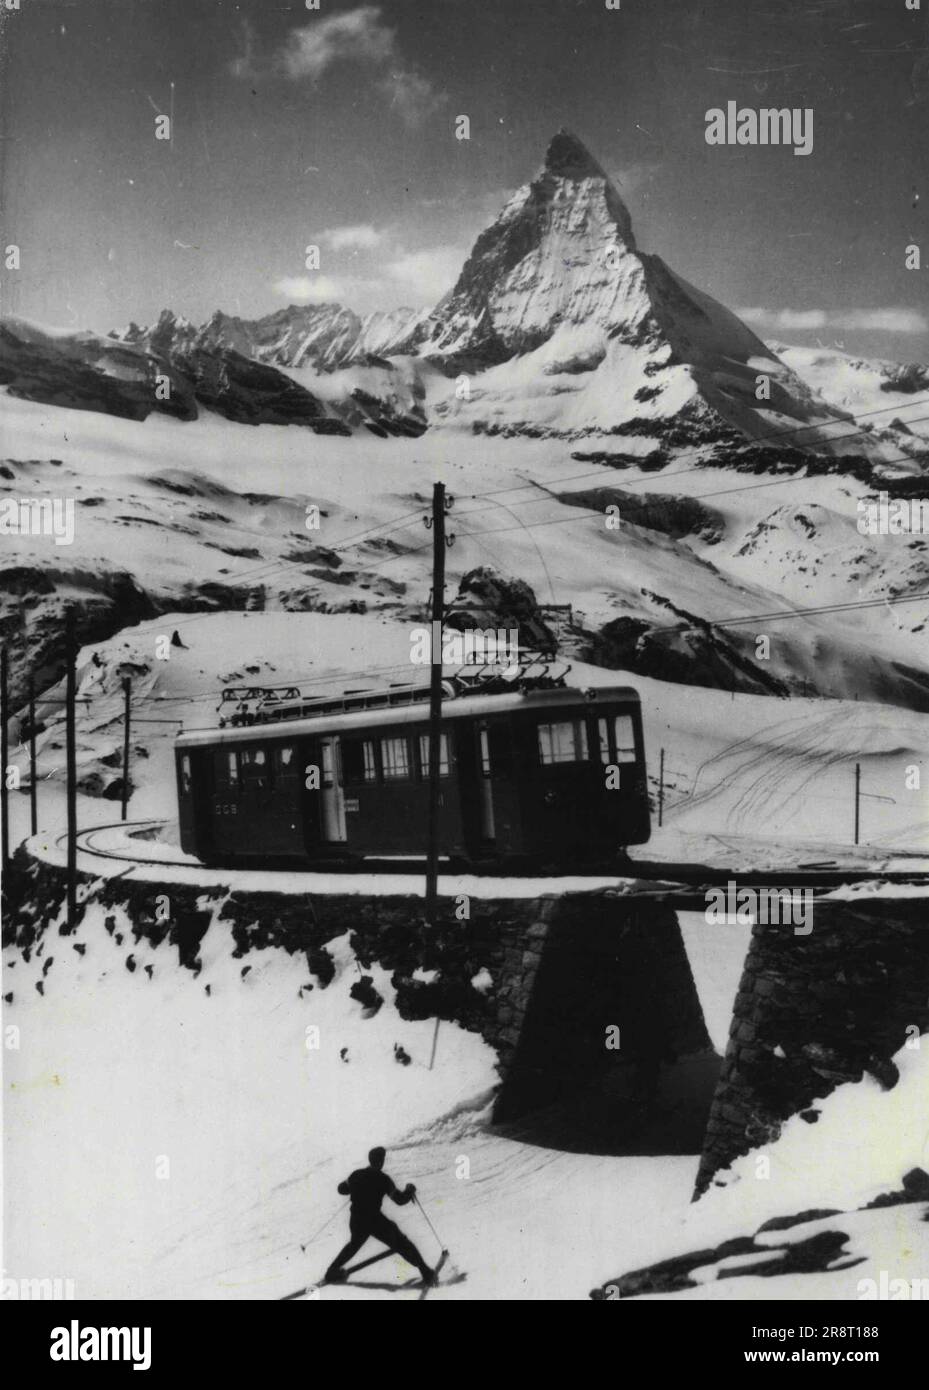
<point x="459" y="707"/>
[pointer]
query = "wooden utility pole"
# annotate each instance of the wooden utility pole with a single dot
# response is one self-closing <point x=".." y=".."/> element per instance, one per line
<point x="33" y="771"/>
<point x="661" y="788"/>
<point x="127" y="696"/>
<point x="857" y="799"/>
<point x="437" y="612"/>
<point x="71" y="763"/>
<point x="4" y="759"/>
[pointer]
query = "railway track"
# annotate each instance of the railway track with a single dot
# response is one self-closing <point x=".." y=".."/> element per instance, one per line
<point x="684" y="885"/>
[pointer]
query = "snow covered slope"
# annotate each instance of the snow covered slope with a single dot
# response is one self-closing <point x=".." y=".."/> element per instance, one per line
<point x="841" y="1209"/>
<point x="170" y="1134"/>
<point x="890" y="392"/>
<point x="235" y="501"/>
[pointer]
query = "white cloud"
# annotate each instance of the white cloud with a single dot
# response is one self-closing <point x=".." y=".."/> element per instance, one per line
<point x="356" y="36"/>
<point x="813" y="320"/>
<point x="784" y="318"/>
<point x="360" y="237"/>
<point x="481" y="206"/>
<point x="309" y="289"/>
<point x="427" y="275"/>
<point x="416" y="278"/>
<point x="887" y="320"/>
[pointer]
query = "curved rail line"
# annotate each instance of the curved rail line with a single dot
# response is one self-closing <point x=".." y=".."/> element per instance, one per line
<point x="682" y="884"/>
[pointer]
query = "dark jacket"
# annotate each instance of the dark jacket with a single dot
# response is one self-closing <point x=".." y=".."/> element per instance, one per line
<point x="367" y="1188"/>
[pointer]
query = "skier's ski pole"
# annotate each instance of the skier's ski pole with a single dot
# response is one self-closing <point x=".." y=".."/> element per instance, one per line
<point x="324" y="1225"/>
<point x="429" y="1224"/>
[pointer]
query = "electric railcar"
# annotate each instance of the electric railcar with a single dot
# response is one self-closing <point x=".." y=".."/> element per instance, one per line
<point x="524" y="777"/>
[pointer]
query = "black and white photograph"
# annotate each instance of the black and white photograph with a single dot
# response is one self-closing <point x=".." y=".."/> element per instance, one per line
<point x="464" y="609"/>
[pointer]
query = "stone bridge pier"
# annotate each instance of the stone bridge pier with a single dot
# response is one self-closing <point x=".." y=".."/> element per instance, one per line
<point x="815" y="1011"/>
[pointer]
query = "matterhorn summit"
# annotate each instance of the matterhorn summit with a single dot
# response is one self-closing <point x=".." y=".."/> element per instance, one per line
<point x="559" y="258"/>
<point x="568" y="328"/>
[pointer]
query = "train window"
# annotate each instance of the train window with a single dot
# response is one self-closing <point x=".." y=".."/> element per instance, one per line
<point x="370" y="761"/>
<point x="485" y="752"/>
<point x="564" y="742"/>
<point x="254" y="767"/>
<point x="352" y="764"/>
<point x="603" y="737"/>
<point x="232" y="768"/>
<point x="625" y="738"/>
<point x="395" y="758"/>
<point x="284" y="761"/>
<point x="359" y="761"/>
<point x="424" y="754"/>
<point x="185" y="775"/>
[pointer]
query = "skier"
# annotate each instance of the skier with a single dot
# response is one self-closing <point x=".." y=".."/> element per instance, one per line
<point x="367" y="1188"/>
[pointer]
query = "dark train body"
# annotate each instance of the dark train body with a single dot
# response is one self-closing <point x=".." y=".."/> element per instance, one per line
<point x="523" y="778"/>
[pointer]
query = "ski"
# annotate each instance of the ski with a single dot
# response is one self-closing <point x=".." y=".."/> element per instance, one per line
<point x="352" y="1269"/>
<point x="363" y="1264"/>
<point x="298" y="1293"/>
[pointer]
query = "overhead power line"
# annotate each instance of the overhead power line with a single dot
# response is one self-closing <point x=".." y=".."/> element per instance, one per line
<point x="269" y="569"/>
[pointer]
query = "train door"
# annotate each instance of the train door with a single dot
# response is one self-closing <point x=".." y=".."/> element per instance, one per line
<point x="332" y="797"/>
<point x="229" y="830"/>
<point x="487" y="776"/>
<point x="195" y="812"/>
<point x="287" y="826"/>
<point x="257" y="829"/>
<point x="565" y="794"/>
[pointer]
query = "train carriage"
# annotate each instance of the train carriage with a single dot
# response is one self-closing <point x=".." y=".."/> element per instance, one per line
<point x="551" y="776"/>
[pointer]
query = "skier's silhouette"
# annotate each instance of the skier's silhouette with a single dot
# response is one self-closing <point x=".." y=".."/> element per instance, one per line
<point x="367" y="1188"/>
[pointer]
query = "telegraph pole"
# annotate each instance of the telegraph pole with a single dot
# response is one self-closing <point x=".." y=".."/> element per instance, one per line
<point x="71" y="763"/>
<point x="857" y="799"/>
<point x="437" y="613"/>
<point x="127" y="695"/>
<point x="4" y="759"/>
<point x="33" y="787"/>
<point x="440" y="505"/>
<point x="661" y="788"/>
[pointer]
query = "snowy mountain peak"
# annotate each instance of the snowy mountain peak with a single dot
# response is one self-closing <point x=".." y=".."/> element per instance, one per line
<point x="568" y="158"/>
<point x="557" y="261"/>
<point x="571" y="330"/>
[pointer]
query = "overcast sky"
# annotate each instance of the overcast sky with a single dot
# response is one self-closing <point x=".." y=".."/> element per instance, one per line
<point x="336" y="127"/>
